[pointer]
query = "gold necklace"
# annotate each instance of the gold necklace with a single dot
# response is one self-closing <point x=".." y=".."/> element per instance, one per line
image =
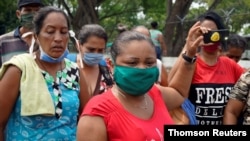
<point x="145" y="107"/>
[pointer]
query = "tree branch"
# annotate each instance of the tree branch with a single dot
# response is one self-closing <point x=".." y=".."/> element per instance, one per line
<point x="120" y="13"/>
<point x="64" y="4"/>
<point x="214" y="4"/>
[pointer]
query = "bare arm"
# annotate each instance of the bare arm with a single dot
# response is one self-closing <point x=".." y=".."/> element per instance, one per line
<point x="9" y="87"/>
<point x="180" y="84"/>
<point x="232" y="111"/>
<point x="171" y="97"/>
<point x="84" y="95"/>
<point x="238" y="97"/>
<point x="91" y="128"/>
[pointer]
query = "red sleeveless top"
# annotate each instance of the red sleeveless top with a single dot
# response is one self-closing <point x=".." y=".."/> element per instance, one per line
<point x="122" y="125"/>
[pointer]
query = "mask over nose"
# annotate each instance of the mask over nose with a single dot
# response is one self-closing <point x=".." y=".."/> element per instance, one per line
<point x="26" y="20"/>
<point x="135" y="81"/>
<point x="92" y="59"/>
<point x="211" y="48"/>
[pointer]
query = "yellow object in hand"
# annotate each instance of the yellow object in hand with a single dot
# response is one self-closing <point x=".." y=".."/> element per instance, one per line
<point x="215" y="37"/>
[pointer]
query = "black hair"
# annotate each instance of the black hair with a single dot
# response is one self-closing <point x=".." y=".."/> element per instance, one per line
<point x="154" y="24"/>
<point x="41" y="15"/>
<point x="125" y="38"/>
<point x="235" y="40"/>
<point x="92" y="30"/>
<point x="217" y="19"/>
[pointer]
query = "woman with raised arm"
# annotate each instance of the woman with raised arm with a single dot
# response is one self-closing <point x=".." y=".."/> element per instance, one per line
<point x="136" y="108"/>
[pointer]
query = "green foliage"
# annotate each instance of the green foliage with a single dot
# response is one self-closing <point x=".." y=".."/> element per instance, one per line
<point x="155" y="10"/>
<point x="130" y="13"/>
<point x="8" y="20"/>
<point x="236" y="13"/>
<point x="112" y="12"/>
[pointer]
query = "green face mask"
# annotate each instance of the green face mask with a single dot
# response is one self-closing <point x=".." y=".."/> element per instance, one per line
<point x="135" y="81"/>
<point x="26" y="20"/>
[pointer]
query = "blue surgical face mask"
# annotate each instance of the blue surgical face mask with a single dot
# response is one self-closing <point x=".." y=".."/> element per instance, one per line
<point x="45" y="57"/>
<point x="92" y="59"/>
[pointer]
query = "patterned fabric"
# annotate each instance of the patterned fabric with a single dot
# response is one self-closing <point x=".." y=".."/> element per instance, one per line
<point x="11" y="44"/>
<point x="103" y="87"/>
<point x="241" y="92"/>
<point x="44" y="127"/>
<point x="58" y="99"/>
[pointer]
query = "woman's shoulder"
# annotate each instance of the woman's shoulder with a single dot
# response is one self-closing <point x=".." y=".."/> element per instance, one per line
<point x="70" y="63"/>
<point x="102" y="104"/>
<point x="229" y="62"/>
<point x="155" y="91"/>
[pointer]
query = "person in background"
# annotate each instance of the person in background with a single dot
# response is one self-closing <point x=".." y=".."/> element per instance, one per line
<point x="158" y="40"/>
<point x="18" y="40"/>
<point x="237" y="110"/>
<point x="236" y="46"/>
<point x="136" y="108"/>
<point x="214" y="76"/>
<point x="121" y="28"/>
<point x="92" y="42"/>
<point x="42" y="93"/>
<point x="163" y="74"/>
<point x="183" y="114"/>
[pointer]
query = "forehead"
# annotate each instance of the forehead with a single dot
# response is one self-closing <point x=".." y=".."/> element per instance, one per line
<point x="235" y="50"/>
<point x="55" y="19"/>
<point x="137" y="48"/>
<point x="95" y="42"/>
<point x="94" y="38"/>
<point x="209" y="24"/>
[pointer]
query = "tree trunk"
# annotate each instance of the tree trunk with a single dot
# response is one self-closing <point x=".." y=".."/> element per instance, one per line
<point x="174" y="32"/>
<point x="85" y="14"/>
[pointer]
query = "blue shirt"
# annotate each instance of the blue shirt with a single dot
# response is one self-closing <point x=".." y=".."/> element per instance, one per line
<point x="44" y="127"/>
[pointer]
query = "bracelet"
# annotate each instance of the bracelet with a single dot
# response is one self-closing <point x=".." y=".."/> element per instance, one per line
<point x="188" y="59"/>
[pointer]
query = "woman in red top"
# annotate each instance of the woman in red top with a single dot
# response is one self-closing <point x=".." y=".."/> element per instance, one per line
<point x="214" y="75"/>
<point x="136" y="109"/>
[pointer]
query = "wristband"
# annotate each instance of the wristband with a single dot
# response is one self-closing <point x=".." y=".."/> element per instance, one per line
<point x="188" y="59"/>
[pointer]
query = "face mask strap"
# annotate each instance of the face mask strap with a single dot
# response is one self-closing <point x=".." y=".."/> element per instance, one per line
<point x="31" y="48"/>
<point x="76" y="43"/>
